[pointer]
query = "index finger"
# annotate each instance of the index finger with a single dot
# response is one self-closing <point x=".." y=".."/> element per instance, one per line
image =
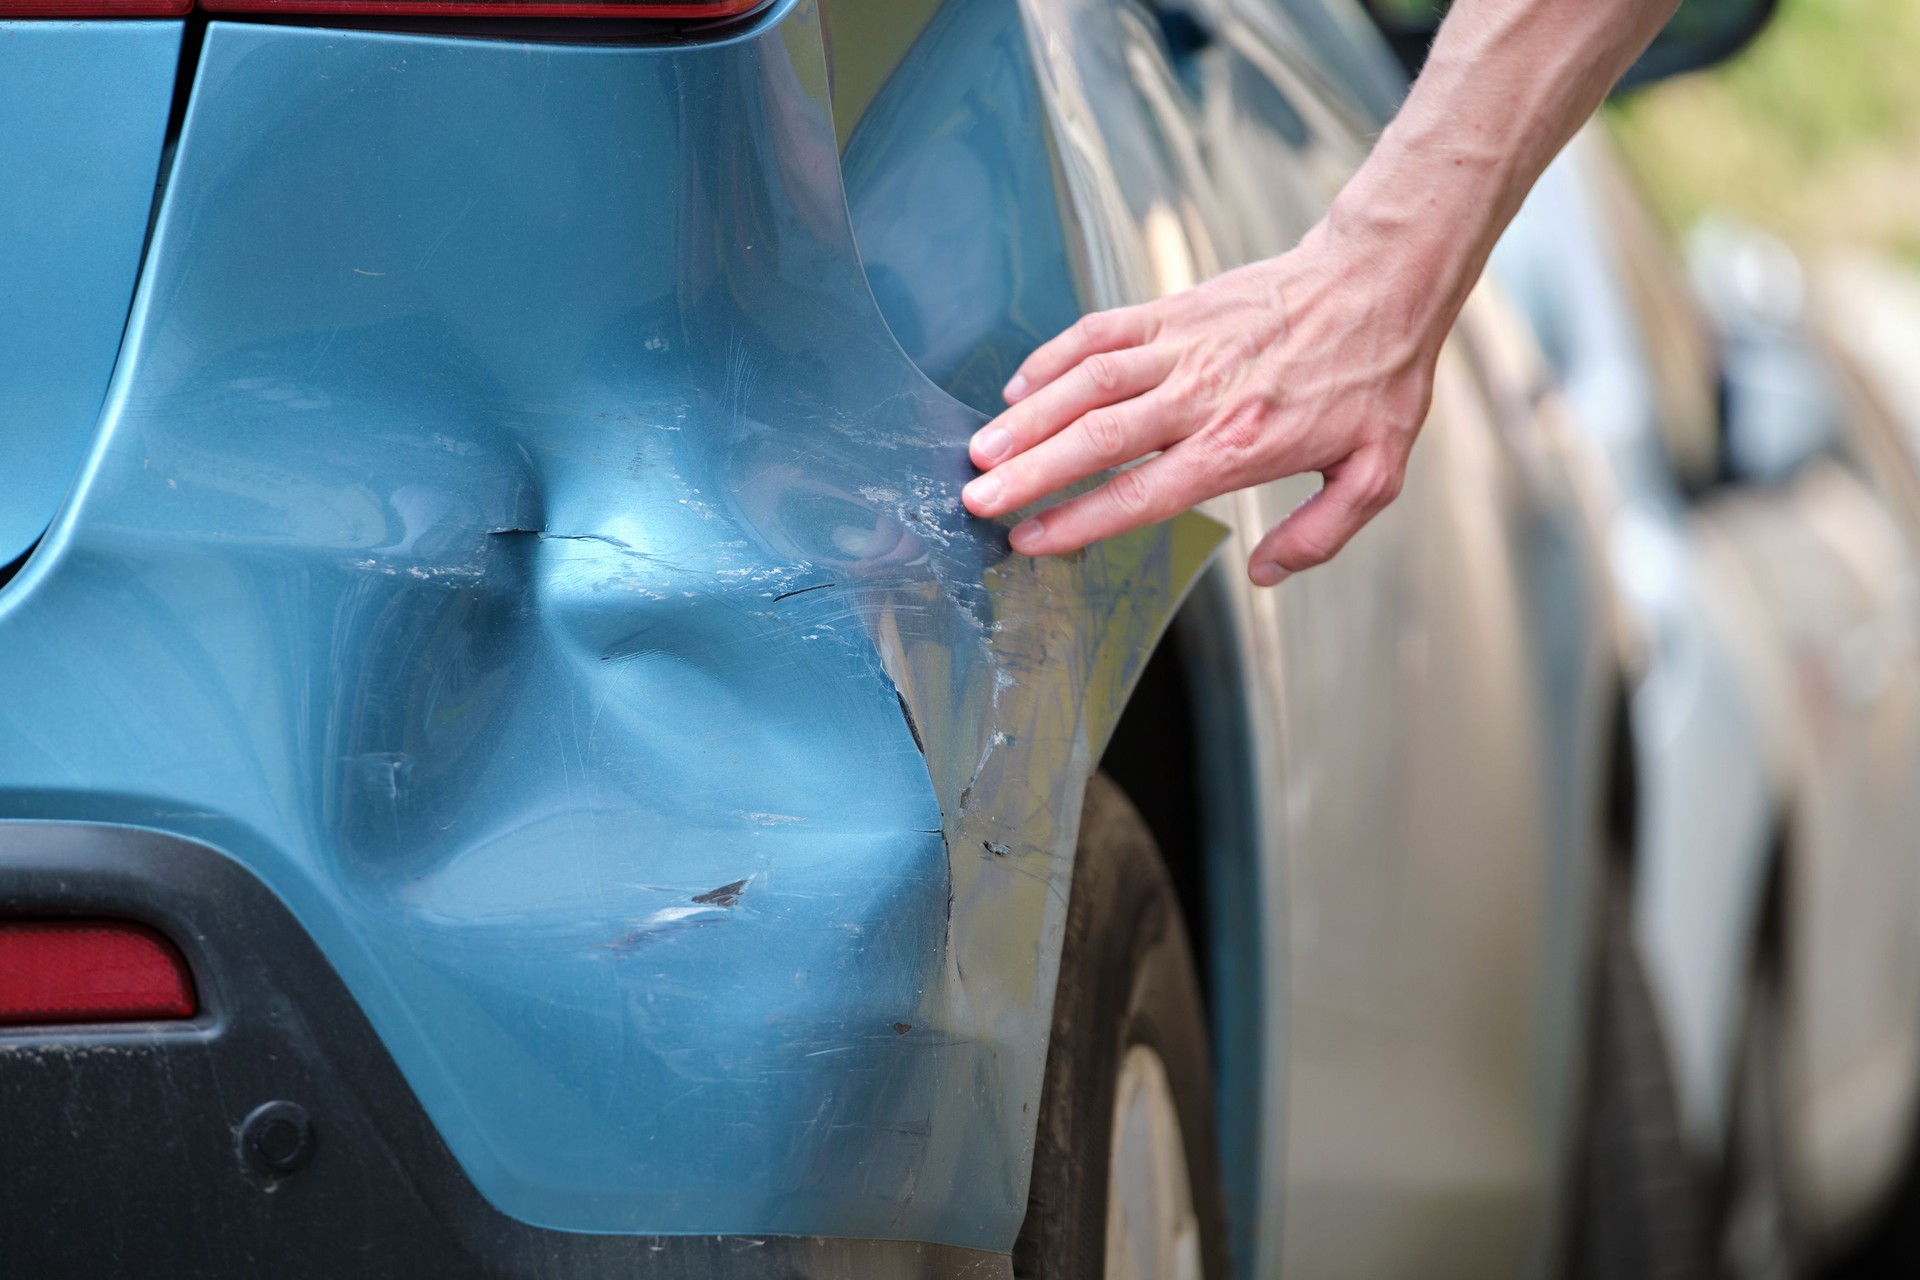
<point x="1091" y="334"/>
<point x="1158" y="489"/>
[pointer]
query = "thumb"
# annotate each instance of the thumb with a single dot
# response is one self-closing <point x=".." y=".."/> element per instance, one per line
<point x="1355" y="490"/>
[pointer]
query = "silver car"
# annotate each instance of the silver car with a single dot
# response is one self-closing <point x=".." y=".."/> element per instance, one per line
<point x="1761" y="532"/>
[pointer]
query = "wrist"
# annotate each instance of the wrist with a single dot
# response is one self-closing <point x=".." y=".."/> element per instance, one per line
<point x="1408" y="257"/>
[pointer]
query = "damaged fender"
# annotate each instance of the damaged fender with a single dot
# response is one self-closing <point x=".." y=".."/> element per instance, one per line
<point x="514" y="536"/>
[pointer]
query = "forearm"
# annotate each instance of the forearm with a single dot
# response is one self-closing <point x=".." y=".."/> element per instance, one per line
<point x="1507" y="84"/>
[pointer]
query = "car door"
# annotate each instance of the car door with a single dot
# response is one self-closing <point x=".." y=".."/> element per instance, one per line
<point x="1427" y="1024"/>
<point x="1432" y="783"/>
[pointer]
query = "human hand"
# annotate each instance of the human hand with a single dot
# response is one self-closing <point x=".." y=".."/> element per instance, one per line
<point x="1318" y="360"/>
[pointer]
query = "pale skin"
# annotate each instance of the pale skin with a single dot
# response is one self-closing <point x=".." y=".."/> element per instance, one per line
<point x="1321" y="359"/>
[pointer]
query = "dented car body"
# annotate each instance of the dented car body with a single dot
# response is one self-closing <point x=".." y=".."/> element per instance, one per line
<point x="513" y="627"/>
<point x="567" y="600"/>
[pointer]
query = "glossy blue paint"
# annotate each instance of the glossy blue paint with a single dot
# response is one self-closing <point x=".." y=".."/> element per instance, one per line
<point x="517" y="537"/>
<point x="83" y="107"/>
<point x="954" y="143"/>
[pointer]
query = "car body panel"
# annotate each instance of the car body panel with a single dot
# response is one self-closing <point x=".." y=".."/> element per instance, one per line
<point x="947" y="146"/>
<point x="551" y="581"/>
<point x="1439" y="900"/>
<point x="1358" y="65"/>
<point x="1424" y="715"/>
<point x="85" y="106"/>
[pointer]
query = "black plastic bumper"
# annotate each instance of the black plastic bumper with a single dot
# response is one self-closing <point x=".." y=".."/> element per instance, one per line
<point x="129" y="1150"/>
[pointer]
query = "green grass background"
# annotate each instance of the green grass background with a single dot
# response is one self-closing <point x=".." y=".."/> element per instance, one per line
<point x="1813" y="131"/>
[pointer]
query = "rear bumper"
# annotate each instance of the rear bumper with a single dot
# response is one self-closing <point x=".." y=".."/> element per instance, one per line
<point x="124" y="1153"/>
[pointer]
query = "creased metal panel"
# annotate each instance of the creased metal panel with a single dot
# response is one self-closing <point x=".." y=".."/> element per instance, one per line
<point x="517" y="538"/>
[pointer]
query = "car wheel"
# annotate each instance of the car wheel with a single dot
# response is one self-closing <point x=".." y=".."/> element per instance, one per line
<point x="1126" y="1181"/>
<point x="1758" y="1240"/>
<point x="1636" y="1210"/>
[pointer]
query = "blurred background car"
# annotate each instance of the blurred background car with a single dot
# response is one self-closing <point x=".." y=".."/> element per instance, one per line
<point x="1637" y="364"/>
<point x="1824" y="537"/>
<point x="1813" y="134"/>
<point x="1764" y="535"/>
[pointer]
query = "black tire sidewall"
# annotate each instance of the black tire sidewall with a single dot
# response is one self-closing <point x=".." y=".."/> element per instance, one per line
<point x="1637" y="1209"/>
<point x="1759" y="1121"/>
<point x="1127" y="977"/>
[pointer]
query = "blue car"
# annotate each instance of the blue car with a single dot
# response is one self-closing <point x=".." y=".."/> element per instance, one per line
<point x="515" y="762"/>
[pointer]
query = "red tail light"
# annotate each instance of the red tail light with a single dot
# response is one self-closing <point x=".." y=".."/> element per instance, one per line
<point x="54" y="971"/>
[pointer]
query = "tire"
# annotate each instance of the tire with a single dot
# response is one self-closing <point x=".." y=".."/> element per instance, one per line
<point x="1759" y="1239"/>
<point x="1637" y="1202"/>
<point x="1127" y="1009"/>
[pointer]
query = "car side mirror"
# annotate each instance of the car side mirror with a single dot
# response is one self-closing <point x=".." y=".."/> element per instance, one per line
<point x="1700" y="33"/>
<point x="1780" y="407"/>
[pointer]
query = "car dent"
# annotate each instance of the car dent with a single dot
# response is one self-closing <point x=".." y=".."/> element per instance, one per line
<point x="573" y="619"/>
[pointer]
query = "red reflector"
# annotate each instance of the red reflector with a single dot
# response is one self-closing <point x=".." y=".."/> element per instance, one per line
<point x="89" y="971"/>
<point x="683" y="9"/>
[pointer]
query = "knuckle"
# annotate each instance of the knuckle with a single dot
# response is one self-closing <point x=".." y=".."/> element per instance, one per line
<point x="1095" y="326"/>
<point x="1379" y="484"/>
<point x="1212" y="378"/>
<point x="1023" y="422"/>
<point x="1103" y="373"/>
<point x="1315" y="546"/>
<point x="1225" y="364"/>
<point x="1019" y="484"/>
<point x="1105" y="437"/>
<point x="1131" y="495"/>
<point x="1240" y="430"/>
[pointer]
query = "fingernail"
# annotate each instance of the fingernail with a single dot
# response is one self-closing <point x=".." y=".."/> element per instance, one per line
<point x="1268" y="573"/>
<point x="1025" y="535"/>
<point x="982" y="491"/>
<point x="991" y="444"/>
<point x="1016" y="387"/>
